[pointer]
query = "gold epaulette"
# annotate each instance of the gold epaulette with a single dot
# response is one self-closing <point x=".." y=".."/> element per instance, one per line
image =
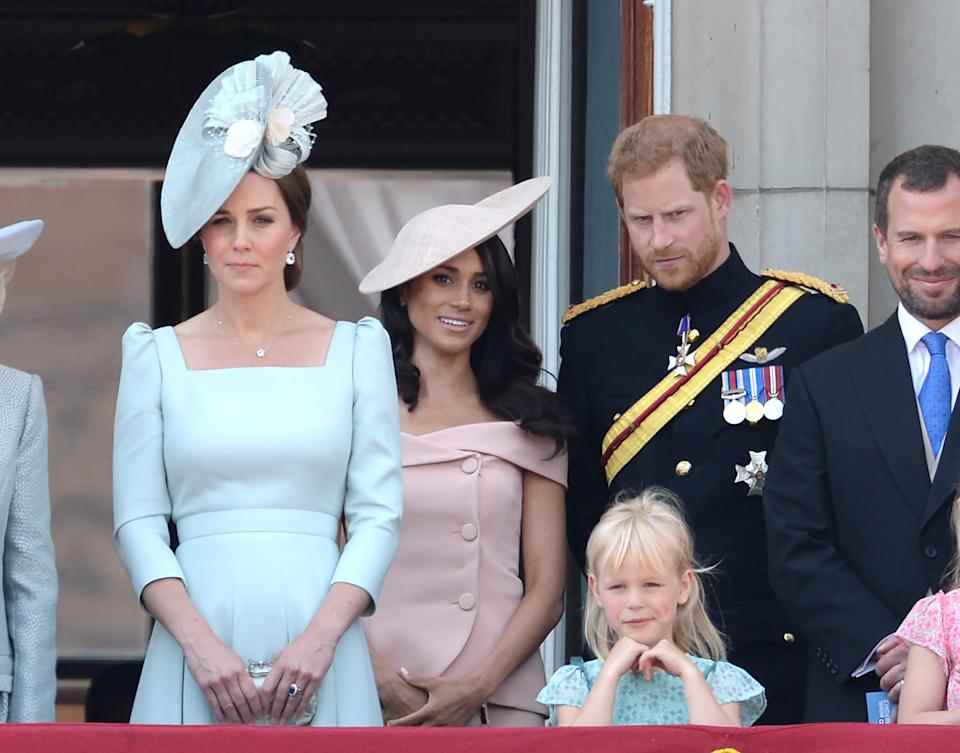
<point x="604" y="298"/>
<point x="809" y="282"/>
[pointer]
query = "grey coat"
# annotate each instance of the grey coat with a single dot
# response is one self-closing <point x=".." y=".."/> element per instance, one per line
<point x="27" y="569"/>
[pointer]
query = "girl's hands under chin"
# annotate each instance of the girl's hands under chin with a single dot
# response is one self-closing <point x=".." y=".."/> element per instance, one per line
<point x="666" y="656"/>
<point x="623" y="656"/>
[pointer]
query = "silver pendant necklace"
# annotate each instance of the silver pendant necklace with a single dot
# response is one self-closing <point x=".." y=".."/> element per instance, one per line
<point x="263" y="348"/>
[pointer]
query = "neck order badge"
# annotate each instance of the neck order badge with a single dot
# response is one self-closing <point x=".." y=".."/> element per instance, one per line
<point x="678" y="364"/>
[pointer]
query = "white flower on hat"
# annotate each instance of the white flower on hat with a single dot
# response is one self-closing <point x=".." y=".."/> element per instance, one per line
<point x="242" y="138"/>
<point x="263" y="110"/>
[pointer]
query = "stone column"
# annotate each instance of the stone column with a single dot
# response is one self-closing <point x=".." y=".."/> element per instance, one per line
<point x="915" y="96"/>
<point x="788" y="85"/>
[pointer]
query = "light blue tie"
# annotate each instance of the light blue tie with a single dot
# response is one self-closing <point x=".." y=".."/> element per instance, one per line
<point x="935" y="392"/>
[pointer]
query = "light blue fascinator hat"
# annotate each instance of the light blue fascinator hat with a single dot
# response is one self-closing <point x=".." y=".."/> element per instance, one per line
<point x="256" y="115"/>
<point x="16" y="239"/>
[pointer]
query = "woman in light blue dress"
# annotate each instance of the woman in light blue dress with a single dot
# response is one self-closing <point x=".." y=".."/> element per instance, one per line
<point x="258" y="428"/>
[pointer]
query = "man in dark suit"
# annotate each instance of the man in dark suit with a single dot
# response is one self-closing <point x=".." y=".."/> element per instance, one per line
<point x="656" y="404"/>
<point x="860" y="487"/>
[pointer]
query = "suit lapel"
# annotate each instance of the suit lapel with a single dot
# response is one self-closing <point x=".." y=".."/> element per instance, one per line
<point x="891" y="411"/>
<point x="945" y="482"/>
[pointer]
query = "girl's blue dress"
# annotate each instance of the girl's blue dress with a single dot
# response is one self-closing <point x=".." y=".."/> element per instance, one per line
<point x="660" y="700"/>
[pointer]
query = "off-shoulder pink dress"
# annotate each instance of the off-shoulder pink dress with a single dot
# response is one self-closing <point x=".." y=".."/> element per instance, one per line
<point x="455" y="581"/>
<point x="934" y="623"/>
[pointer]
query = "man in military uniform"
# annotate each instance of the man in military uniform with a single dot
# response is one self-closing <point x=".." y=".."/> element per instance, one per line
<point x="681" y="381"/>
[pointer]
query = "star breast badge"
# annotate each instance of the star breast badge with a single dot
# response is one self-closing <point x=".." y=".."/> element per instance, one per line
<point x="753" y="474"/>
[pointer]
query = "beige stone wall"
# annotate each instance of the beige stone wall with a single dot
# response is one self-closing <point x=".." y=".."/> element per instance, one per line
<point x="914" y="95"/>
<point x="71" y="298"/>
<point x="787" y="84"/>
<point x="815" y="98"/>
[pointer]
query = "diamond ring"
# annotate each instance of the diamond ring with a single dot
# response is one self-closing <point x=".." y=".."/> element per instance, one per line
<point x="294" y="690"/>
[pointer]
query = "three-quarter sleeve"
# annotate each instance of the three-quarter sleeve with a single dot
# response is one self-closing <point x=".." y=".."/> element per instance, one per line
<point x="374" y="490"/>
<point x="30" y="574"/>
<point x="141" y="502"/>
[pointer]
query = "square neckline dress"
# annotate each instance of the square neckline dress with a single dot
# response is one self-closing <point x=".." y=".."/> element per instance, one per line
<point x="255" y="466"/>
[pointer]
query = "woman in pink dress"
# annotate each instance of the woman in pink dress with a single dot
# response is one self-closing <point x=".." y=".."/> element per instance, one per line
<point x="478" y="580"/>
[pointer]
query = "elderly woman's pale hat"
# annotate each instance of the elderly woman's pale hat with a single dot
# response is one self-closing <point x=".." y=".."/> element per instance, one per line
<point x="438" y="234"/>
<point x="16" y="239"/>
<point x="255" y="115"/>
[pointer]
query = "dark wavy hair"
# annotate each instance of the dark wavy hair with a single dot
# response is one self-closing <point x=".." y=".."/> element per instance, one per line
<point x="505" y="361"/>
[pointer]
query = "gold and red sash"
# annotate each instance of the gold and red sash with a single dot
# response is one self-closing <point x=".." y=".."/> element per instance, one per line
<point x="640" y="423"/>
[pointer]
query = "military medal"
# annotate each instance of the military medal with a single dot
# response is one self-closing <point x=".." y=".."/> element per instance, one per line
<point x="679" y="363"/>
<point x="734" y="412"/>
<point x="753" y="474"/>
<point x="754" y="408"/>
<point x="773" y="385"/>
<point x="762" y="356"/>
<point x="732" y="393"/>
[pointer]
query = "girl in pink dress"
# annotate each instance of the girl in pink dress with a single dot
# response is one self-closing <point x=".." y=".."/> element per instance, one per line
<point x="931" y="686"/>
<point x="479" y="575"/>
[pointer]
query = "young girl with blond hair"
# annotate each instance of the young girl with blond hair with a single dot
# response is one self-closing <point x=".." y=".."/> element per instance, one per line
<point x="660" y="659"/>
<point x="931" y="684"/>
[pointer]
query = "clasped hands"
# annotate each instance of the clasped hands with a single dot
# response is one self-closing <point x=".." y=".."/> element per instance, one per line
<point x="231" y="693"/>
<point x="415" y="700"/>
<point x="628" y="655"/>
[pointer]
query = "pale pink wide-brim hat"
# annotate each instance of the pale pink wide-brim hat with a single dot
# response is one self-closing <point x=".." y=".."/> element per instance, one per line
<point x="439" y="234"/>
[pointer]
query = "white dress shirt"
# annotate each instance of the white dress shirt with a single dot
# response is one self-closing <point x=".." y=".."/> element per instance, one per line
<point x="913" y="332"/>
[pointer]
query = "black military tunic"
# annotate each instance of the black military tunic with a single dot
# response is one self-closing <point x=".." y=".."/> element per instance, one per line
<point x="614" y="354"/>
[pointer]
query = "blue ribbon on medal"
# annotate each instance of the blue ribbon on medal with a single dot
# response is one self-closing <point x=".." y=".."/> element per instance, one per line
<point x="755" y="397"/>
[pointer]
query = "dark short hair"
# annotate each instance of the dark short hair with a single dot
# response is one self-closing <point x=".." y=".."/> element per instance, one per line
<point x="925" y="168"/>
